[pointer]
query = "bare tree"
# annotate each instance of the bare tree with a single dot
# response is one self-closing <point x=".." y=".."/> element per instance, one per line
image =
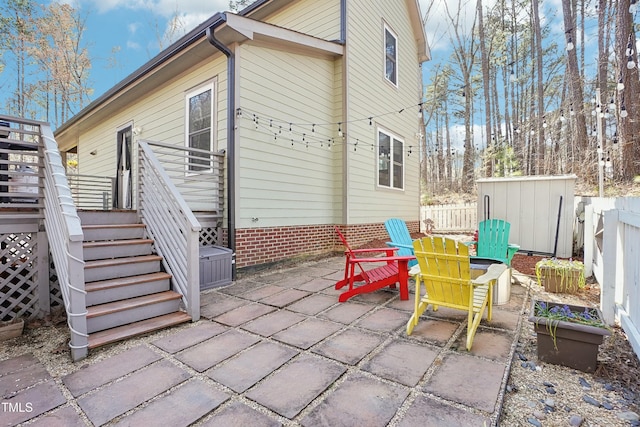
<point x="629" y="126"/>
<point x="575" y="81"/>
<point x="64" y="59"/>
<point x="538" y="58"/>
<point x="18" y="29"/>
<point x="485" y="84"/>
<point x="464" y="52"/>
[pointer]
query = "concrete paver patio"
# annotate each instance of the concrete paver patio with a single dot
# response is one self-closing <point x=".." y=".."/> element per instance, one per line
<point x="278" y="349"/>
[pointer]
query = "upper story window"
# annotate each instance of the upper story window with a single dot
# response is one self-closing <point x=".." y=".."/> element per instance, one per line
<point x="200" y="127"/>
<point x="390" y="160"/>
<point x="391" y="56"/>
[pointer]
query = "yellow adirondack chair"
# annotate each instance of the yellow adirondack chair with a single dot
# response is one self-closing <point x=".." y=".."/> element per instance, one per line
<point x="444" y="269"/>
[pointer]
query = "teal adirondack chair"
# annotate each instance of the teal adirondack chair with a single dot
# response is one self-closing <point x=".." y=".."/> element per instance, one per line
<point x="400" y="238"/>
<point x="493" y="241"/>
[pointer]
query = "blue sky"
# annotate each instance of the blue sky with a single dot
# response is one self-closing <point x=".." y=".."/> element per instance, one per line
<point x="123" y="35"/>
<point x="133" y="27"/>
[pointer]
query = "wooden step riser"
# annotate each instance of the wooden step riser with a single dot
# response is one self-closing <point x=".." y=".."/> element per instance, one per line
<point x="126" y="292"/>
<point x="141" y="328"/>
<point x="108" y="217"/>
<point x="126" y="270"/>
<point x="136" y="314"/>
<point x="102" y="234"/>
<point x="117" y="251"/>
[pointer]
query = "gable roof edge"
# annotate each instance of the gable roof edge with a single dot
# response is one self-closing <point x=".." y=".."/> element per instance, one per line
<point x="424" y="53"/>
<point x="163" y="56"/>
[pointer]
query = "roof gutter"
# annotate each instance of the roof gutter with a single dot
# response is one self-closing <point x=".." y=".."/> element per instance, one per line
<point x="231" y="142"/>
<point x="343" y="21"/>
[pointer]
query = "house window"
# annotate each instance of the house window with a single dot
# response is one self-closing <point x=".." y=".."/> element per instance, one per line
<point x="390" y="161"/>
<point x="199" y="127"/>
<point x="391" y="56"/>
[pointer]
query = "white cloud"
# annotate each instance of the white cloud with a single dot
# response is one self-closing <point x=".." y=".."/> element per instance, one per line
<point x="133" y="45"/>
<point x="207" y="8"/>
<point x="177" y="17"/>
<point x="133" y="27"/>
<point x="164" y="8"/>
<point x="438" y="23"/>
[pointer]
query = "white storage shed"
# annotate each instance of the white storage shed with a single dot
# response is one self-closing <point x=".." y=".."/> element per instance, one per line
<point x="539" y="208"/>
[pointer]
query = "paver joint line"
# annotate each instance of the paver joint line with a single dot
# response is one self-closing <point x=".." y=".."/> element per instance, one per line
<point x="286" y="354"/>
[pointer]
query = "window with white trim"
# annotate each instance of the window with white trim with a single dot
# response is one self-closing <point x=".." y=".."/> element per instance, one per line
<point x="199" y="127"/>
<point x="390" y="160"/>
<point x="391" y="56"/>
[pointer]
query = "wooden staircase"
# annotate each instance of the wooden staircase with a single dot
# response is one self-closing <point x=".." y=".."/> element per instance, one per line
<point x="127" y="292"/>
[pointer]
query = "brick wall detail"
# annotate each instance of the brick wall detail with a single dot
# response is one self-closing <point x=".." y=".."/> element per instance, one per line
<point x="256" y="246"/>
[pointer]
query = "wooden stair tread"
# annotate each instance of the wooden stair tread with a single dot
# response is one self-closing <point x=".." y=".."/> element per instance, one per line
<point x="131" y="303"/>
<point x="113" y="262"/>
<point x="125" y="281"/>
<point x="138" y="328"/>
<point x="105" y="243"/>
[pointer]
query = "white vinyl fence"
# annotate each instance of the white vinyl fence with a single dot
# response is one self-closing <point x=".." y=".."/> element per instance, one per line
<point x="458" y="218"/>
<point x="612" y="253"/>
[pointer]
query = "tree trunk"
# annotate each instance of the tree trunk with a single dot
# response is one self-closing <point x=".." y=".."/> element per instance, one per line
<point x="628" y="127"/>
<point x="575" y="82"/>
<point x="486" y="90"/>
<point x="541" y="122"/>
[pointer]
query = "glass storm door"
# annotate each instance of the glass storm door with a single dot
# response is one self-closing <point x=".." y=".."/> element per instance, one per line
<point x="123" y="197"/>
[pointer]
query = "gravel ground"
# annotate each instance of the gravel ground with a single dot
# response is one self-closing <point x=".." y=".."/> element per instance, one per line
<point x="542" y="394"/>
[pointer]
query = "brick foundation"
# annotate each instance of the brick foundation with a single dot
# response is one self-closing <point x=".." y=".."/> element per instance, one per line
<point x="255" y="246"/>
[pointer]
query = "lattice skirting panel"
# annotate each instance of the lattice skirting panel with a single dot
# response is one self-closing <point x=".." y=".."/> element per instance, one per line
<point x="18" y="281"/>
<point x="211" y="236"/>
<point x="55" y="294"/>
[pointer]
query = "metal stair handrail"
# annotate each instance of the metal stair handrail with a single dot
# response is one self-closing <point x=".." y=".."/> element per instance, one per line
<point x="172" y="225"/>
<point x="64" y="231"/>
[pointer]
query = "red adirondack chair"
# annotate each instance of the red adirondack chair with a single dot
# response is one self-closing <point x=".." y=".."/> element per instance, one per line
<point x="395" y="270"/>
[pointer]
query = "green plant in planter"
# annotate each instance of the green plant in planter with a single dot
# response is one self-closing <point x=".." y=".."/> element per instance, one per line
<point x="560" y="275"/>
<point x="568" y="335"/>
<point x="556" y="313"/>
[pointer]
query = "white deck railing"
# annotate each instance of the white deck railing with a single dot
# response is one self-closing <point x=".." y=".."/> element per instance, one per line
<point x="172" y="225"/>
<point x="455" y="218"/>
<point x="65" y="236"/>
<point x="92" y="192"/>
<point x="611" y="248"/>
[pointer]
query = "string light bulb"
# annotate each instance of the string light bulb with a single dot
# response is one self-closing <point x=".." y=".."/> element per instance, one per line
<point x="512" y="77"/>
<point x="623" y="112"/>
<point x="631" y="64"/>
<point x="633" y="7"/>
<point x="620" y="85"/>
<point x="570" y="45"/>
<point x="340" y="134"/>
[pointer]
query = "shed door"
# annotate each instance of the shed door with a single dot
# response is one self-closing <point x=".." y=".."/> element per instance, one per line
<point x="123" y="197"/>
